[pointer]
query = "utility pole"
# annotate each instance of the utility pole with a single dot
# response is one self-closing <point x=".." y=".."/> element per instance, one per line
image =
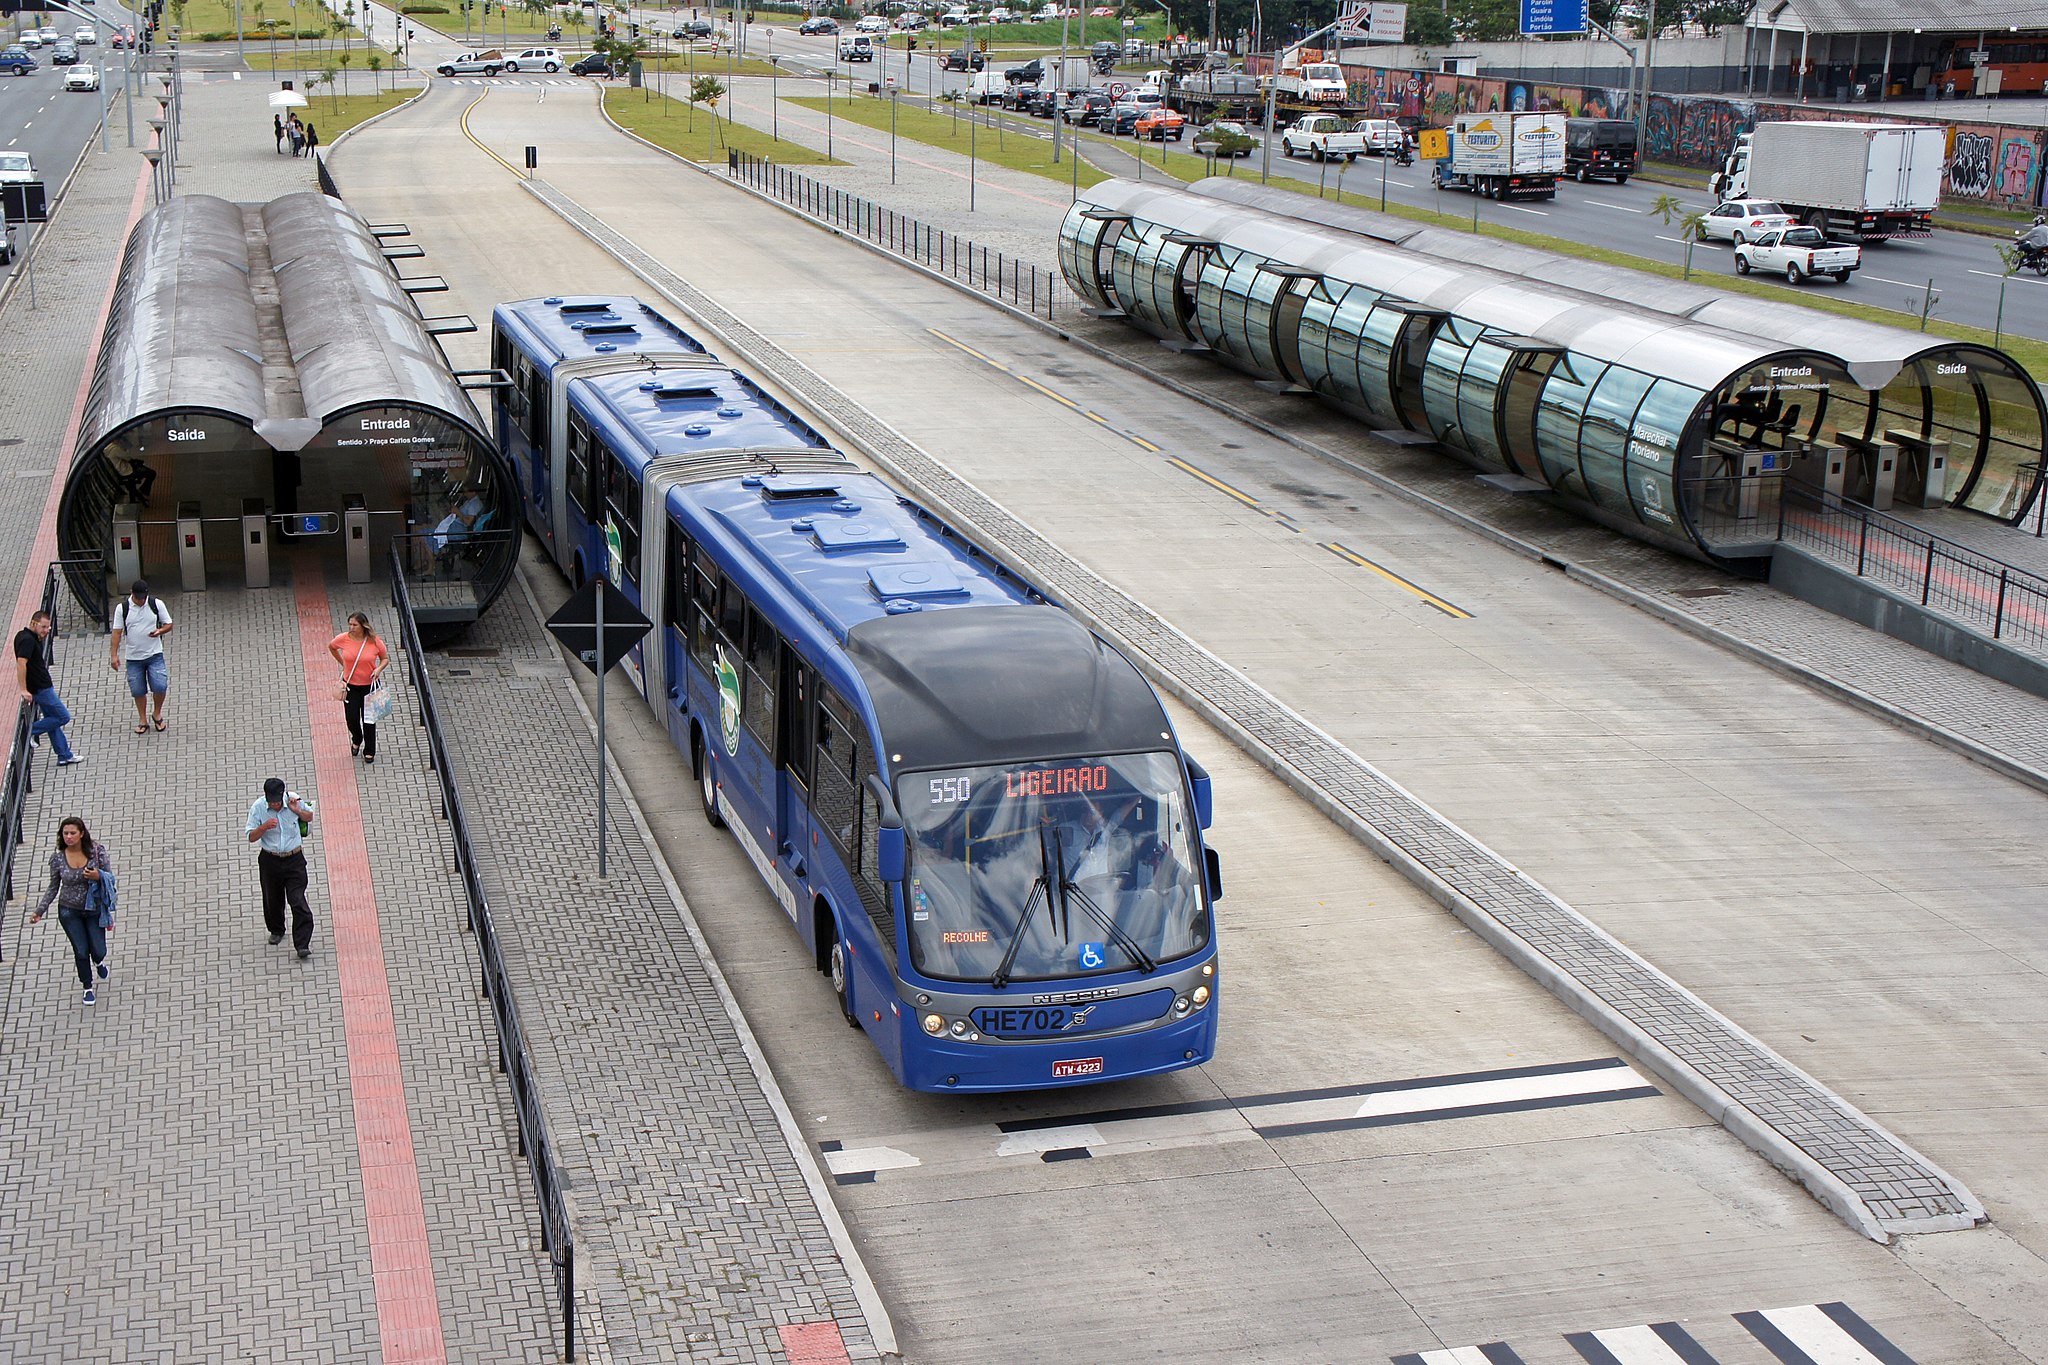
<point x="1649" y="42"/>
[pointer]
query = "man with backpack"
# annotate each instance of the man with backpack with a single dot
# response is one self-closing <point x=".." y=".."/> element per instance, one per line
<point x="139" y="626"/>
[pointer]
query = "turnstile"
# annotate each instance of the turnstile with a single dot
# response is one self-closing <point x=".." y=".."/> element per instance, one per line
<point x="1923" y="469"/>
<point x="127" y="544"/>
<point x="255" y="543"/>
<point x="355" y="535"/>
<point x="1821" y="467"/>
<point x="191" y="549"/>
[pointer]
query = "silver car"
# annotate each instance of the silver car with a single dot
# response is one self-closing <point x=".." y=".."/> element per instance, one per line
<point x="1744" y="220"/>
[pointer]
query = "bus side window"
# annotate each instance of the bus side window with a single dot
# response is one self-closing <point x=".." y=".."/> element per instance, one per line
<point x="704" y="611"/>
<point x="675" y="593"/>
<point x="874" y="896"/>
<point x="622" y="499"/>
<point x="536" y="405"/>
<point x="832" y="802"/>
<point x="732" y="619"/>
<point x="757" y="711"/>
<point x="579" y="465"/>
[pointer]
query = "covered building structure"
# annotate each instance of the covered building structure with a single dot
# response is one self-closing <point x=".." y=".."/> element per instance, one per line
<point x="265" y="381"/>
<point x="1895" y="48"/>
<point x="1677" y="414"/>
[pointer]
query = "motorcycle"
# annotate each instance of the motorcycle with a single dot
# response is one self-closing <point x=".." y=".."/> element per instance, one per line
<point x="2032" y="247"/>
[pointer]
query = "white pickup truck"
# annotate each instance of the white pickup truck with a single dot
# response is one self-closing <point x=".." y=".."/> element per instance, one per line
<point x="1322" y="137"/>
<point x="472" y="64"/>
<point x="1798" y="252"/>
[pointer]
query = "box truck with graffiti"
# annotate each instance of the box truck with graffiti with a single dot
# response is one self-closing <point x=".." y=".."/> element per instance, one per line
<point x="1504" y="155"/>
<point x="1873" y="181"/>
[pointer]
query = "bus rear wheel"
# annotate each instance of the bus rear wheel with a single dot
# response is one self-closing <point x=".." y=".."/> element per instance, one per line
<point x="841" y="987"/>
<point x="707" y="783"/>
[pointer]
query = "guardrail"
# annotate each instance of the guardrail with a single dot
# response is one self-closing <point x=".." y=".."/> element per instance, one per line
<point x="1014" y="281"/>
<point x="515" y="1061"/>
<point x="19" y="783"/>
<point x="1948" y="577"/>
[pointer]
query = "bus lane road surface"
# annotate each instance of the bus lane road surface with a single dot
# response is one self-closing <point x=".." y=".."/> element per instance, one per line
<point x="1511" y="1184"/>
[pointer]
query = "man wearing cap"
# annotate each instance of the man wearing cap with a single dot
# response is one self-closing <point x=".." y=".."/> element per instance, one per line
<point x="278" y="821"/>
<point x="139" y="626"/>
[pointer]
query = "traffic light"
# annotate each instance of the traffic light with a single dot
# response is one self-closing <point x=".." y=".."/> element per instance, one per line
<point x="636" y="28"/>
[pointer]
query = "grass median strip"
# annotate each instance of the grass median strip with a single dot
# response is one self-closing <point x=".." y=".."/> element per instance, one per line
<point x="952" y="130"/>
<point x="694" y="132"/>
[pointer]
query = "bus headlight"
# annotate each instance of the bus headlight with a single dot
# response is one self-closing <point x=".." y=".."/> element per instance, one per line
<point x="959" y="1028"/>
<point x="1180" y="1004"/>
<point x="1200" y="995"/>
<point x="934" y="1025"/>
<point x="1209" y="968"/>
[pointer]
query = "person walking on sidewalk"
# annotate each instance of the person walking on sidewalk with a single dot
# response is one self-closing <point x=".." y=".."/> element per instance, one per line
<point x="279" y="821"/>
<point x="81" y="884"/>
<point x="277" y="122"/>
<point x="363" y="659"/>
<point x="312" y="138"/>
<point x="140" y="624"/>
<point x="32" y="673"/>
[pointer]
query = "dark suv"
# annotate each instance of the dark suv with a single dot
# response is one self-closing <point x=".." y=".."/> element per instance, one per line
<point x="1086" y="107"/>
<point x="964" y="59"/>
<point x="811" y="28"/>
<point x="693" y="28"/>
<point x="1031" y="73"/>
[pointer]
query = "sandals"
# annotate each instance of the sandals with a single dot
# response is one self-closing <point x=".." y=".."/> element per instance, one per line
<point x="142" y="729"/>
<point x="162" y="725"/>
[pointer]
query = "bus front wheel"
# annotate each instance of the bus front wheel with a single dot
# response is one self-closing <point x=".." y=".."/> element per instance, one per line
<point x="841" y="986"/>
<point x="707" y="784"/>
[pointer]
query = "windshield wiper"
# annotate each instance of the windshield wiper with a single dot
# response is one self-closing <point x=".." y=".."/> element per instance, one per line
<point x="1041" y="886"/>
<point x="1070" y="891"/>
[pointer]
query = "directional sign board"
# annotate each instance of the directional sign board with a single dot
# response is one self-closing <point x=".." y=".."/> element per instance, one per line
<point x="575" y="625"/>
<point x="1541" y="17"/>
<point x="1375" y="21"/>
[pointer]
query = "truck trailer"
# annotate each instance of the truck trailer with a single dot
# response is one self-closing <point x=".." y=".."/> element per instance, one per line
<point x="1504" y="155"/>
<point x="1868" y="181"/>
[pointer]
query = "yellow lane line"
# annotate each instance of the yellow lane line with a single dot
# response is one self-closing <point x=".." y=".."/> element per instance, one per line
<point x="1058" y="398"/>
<point x="956" y="342"/>
<point x="1247" y="499"/>
<point x="1037" y="387"/>
<point x="1351" y="556"/>
<point x="479" y="144"/>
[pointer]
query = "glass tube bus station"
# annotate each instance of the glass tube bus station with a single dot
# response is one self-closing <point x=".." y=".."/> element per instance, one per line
<point x="1684" y="416"/>
<point x="267" y="398"/>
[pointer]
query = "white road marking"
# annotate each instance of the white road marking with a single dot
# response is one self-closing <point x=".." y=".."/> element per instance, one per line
<point x="1499" y="1092"/>
<point x="1994" y="275"/>
<point x="1637" y="1346"/>
<point x="1540" y="213"/>
<point x="1619" y="208"/>
<point x="1039" y="1140"/>
<point x="1817" y="1334"/>
<point x="1457" y="1355"/>
<point x="1711" y="246"/>
<point x="1910" y="284"/>
<point x="862" y="1159"/>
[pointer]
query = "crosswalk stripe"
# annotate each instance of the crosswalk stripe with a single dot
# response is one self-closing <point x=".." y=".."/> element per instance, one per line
<point x="1661" y="1343"/>
<point x="1494" y="1353"/>
<point x="1821" y="1334"/>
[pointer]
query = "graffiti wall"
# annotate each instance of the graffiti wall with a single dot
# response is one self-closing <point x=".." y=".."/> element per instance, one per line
<point x="1998" y="163"/>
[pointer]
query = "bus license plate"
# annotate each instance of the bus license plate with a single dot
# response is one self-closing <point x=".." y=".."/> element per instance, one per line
<point x="1038" y="1019"/>
<point x="1077" y="1066"/>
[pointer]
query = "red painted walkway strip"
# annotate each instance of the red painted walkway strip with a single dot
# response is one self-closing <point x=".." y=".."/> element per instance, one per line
<point x="813" y="1343"/>
<point x="401" y="1261"/>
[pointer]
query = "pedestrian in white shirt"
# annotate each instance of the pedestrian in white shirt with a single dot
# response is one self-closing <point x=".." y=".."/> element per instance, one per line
<point x="139" y="626"/>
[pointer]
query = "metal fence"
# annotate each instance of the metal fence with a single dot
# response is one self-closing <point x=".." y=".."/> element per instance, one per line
<point x="19" y="783"/>
<point x="1006" y="277"/>
<point x="1945" y="576"/>
<point x="515" y="1060"/>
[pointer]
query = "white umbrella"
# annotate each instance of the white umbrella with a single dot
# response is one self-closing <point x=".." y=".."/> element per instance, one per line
<point x="287" y="99"/>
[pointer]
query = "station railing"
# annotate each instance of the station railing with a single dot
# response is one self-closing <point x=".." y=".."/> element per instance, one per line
<point x="1945" y="576"/>
<point x="19" y="783"/>
<point x="515" y="1060"/>
<point x="1012" y="280"/>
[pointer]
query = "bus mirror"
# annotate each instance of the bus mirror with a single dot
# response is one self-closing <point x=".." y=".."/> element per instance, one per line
<point x="1198" y="778"/>
<point x="1215" y="867"/>
<point x="889" y="848"/>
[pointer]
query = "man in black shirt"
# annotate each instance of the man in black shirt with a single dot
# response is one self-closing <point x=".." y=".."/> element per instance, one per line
<point x="32" y="675"/>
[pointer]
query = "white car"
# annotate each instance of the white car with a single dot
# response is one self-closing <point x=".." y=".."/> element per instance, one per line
<point x="15" y="166"/>
<point x="85" y="35"/>
<point x="546" y="59"/>
<point x="51" y="35"/>
<point x="1744" y="220"/>
<point x="30" y="39"/>
<point x="82" y="78"/>
<point x="873" y="23"/>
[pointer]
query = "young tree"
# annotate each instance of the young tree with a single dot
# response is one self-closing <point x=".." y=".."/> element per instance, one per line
<point x="709" y="90"/>
<point x="329" y="73"/>
<point x="375" y="61"/>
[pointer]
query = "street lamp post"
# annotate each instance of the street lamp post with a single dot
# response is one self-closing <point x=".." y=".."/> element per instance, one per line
<point x="775" y="98"/>
<point x="892" y="132"/>
<point x="1059" y="80"/>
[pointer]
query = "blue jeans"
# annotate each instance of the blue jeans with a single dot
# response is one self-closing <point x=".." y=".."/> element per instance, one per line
<point x="88" y="940"/>
<point x="149" y="675"/>
<point x="55" y="716"/>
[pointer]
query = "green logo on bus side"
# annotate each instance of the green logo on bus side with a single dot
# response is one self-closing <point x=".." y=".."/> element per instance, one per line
<point x="728" y="702"/>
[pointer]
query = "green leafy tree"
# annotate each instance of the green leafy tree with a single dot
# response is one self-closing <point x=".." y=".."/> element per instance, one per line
<point x="375" y="61"/>
<point x="329" y="73"/>
<point x="1428" y="26"/>
<point x="709" y="90"/>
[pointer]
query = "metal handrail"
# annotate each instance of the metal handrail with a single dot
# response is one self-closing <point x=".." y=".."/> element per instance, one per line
<point x="19" y="783"/>
<point x="992" y="272"/>
<point x="515" y="1059"/>
<point x="1949" y="576"/>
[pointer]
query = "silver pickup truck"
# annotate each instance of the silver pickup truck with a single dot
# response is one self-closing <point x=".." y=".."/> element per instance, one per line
<point x="472" y="64"/>
<point x="1799" y="253"/>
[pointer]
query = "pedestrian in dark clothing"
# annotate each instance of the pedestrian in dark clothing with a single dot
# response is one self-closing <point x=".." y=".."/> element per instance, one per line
<point x="312" y="137"/>
<point x="279" y="821"/>
<point x="81" y="883"/>
<point x="277" y="121"/>
<point x="32" y="673"/>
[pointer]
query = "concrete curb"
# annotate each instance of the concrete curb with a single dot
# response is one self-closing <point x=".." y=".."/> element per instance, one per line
<point x="880" y="1327"/>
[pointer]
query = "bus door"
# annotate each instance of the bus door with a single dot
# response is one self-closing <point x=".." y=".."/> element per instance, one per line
<point x="793" y="765"/>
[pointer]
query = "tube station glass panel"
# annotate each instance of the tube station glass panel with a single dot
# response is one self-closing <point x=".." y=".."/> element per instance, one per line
<point x="1558" y="418"/>
<point x="1261" y="290"/>
<point x="1213" y="299"/>
<point x="1440" y="374"/>
<point x="1604" y="438"/>
<point x="1361" y="349"/>
<point x="1317" y="310"/>
<point x="2014" y="448"/>
<point x="1655" y="440"/>
<point x="1479" y="385"/>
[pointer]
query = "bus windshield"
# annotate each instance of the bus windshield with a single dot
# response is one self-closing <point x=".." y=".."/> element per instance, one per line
<point x="1041" y="871"/>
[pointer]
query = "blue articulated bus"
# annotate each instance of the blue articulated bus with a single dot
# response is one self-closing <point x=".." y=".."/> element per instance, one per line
<point x="974" y="811"/>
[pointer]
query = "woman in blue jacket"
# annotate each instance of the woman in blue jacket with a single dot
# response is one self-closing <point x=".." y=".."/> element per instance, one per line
<point x="82" y="886"/>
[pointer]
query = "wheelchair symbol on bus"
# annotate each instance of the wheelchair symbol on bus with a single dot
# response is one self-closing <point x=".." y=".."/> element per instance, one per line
<point x="1094" y="955"/>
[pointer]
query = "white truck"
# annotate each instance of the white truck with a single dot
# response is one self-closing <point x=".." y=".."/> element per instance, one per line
<point x="488" y="63"/>
<point x="1313" y="83"/>
<point x="1873" y="181"/>
<point x="1322" y="137"/>
<point x="1799" y="253"/>
<point x="1501" y="155"/>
